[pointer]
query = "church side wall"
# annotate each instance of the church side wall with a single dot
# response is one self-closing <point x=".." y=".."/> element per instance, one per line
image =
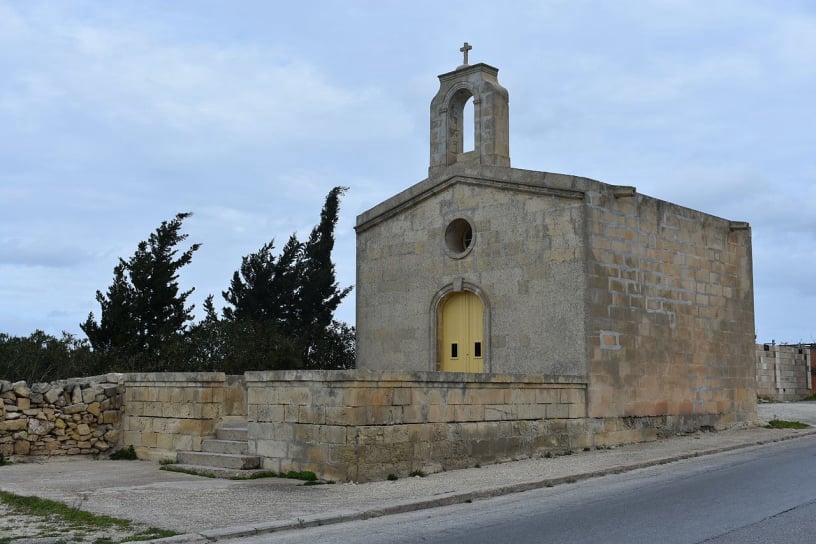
<point x="527" y="261"/>
<point x="671" y="313"/>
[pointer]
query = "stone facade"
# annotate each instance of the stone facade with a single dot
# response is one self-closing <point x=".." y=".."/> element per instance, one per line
<point x="71" y="417"/>
<point x="526" y="264"/>
<point x="783" y="373"/>
<point x="647" y="302"/>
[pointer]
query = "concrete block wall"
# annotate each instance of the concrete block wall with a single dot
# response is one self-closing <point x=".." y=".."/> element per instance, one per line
<point x="365" y="425"/>
<point x="671" y="312"/>
<point x="783" y="373"/>
<point x="168" y="412"/>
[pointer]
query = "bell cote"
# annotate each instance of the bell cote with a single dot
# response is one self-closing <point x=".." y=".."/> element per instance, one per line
<point x="491" y="123"/>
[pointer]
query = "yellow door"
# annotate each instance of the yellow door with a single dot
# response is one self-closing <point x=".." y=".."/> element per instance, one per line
<point x="460" y="327"/>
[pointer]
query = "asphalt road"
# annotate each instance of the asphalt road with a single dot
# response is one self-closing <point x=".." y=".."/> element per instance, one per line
<point x="765" y="494"/>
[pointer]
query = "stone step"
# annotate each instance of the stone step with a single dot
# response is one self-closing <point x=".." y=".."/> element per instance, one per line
<point x="221" y="460"/>
<point x="227" y="473"/>
<point x="233" y="432"/>
<point x="214" y="445"/>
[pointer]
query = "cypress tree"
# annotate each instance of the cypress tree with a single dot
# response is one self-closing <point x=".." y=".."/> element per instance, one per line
<point x="144" y="308"/>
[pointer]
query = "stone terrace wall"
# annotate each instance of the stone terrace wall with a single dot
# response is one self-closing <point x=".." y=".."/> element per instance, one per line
<point x="172" y="411"/>
<point x="364" y="425"/>
<point x="68" y="417"/>
<point x="783" y="372"/>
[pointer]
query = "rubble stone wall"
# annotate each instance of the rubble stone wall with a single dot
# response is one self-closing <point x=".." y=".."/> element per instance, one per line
<point x="67" y="417"/>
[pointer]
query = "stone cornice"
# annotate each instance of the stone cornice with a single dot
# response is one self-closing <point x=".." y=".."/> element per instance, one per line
<point x="508" y="179"/>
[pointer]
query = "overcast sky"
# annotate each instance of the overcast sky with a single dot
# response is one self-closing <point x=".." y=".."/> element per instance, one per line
<point x="114" y="116"/>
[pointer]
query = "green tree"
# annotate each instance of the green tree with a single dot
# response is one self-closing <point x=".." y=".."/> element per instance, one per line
<point x="319" y="295"/>
<point x="335" y="349"/>
<point x="266" y="288"/>
<point x="236" y="346"/>
<point x="144" y="311"/>
<point x="296" y="293"/>
<point x="41" y="357"/>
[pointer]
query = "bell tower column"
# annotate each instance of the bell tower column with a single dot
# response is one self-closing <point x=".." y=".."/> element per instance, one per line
<point x="491" y="121"/>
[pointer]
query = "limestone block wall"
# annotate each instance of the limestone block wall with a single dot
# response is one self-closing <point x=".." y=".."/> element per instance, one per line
<point x="235" y="396"/>
<point x="671" y="311"/>
<point x="365" y="425"/>
<point x="783" y="373"/>
<point x="167" y="412"/>
<point x="69" y="417"/>
<point x="526" y="264"/>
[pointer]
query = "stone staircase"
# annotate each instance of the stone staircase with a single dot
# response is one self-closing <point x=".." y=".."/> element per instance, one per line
<point x="225" y="456"/>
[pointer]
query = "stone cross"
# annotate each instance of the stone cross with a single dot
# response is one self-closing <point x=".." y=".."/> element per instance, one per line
<point x="464" y="49"/>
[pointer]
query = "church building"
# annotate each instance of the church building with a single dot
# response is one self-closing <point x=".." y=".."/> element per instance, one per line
<point x="501" y="314"/>
<point x="485" y="268"/>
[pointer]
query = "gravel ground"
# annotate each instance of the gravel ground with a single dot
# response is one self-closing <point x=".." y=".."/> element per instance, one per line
<point x="17" y="528"/>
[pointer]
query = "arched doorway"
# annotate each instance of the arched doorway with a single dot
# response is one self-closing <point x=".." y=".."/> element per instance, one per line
<point x="460" y="334"/>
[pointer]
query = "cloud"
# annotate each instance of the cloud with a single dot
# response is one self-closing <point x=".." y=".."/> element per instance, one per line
<point x="40" y="253"/>
<point x="117" y="116"/>
<point x="93" y="87"/>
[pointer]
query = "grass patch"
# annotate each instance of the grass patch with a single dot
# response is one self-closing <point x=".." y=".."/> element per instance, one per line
<point x="418" y="473"/>
<point x="783" y="424"/>
<point x="810" y="398"/>
<point x="77" y="521"/>
<point x="36" y="506"/>
<point x="125" y="454"/>
<point x="306" y="475"/>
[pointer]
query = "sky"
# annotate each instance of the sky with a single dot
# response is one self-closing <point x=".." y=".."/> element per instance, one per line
<point x="115" y="116"/>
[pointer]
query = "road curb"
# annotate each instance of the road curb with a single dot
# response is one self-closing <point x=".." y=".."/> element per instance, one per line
<point x="449" y="499"/>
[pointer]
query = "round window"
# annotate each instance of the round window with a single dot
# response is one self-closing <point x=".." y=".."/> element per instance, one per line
<point x="459" y="237"/>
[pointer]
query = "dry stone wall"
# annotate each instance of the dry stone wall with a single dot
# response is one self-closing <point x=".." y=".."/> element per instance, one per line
<point x="69" y="417"/>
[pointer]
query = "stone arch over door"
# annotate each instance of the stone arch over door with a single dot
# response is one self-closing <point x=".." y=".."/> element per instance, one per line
<point x="460" y="325"/>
